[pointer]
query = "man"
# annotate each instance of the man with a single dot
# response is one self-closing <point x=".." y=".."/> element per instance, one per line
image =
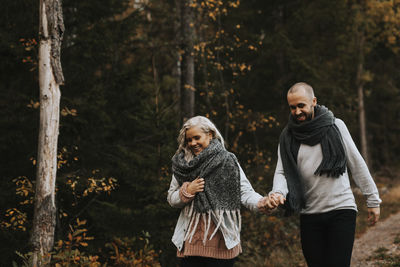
<point x="311" y="178"/>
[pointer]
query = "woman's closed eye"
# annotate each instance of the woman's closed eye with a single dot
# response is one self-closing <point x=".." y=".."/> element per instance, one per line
<point x="193" y="138"/>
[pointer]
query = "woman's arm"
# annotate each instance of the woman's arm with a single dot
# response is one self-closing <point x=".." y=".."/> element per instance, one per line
<point x="173" y="196"/>
<point x="248" y="196"/>
<point x="179" y="196"/>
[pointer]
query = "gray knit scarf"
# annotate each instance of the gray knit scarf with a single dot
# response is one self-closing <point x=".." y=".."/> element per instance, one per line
<point x="321" y="129"/>
<point x="220" y="199"/>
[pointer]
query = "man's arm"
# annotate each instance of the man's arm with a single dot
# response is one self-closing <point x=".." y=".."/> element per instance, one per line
<point x="277" y="196"/>
<point x="360" y="173"/>
<point x="373" y="215"/>
<point x="279" y="184"/>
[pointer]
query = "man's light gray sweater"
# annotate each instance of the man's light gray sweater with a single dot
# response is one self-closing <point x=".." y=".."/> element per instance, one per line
<point x="323" y="194"/>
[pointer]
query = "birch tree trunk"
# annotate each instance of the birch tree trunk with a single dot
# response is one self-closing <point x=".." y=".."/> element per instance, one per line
<point x="51" y="29"/>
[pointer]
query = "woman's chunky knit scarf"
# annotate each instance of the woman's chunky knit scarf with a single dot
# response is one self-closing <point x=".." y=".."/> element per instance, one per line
<point x="220" y="199"/>
<point x="320" y="130"/>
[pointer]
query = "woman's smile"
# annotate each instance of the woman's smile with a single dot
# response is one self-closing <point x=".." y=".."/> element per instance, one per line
<point x="197" y="140"/>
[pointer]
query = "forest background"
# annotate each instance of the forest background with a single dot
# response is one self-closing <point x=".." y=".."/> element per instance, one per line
<point x="135" y="69"/>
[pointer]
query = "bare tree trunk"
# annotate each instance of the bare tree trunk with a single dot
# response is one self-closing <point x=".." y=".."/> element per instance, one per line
<point x="363" y="128"/>
<point x="226" y="92"/>
<point x="157" y="100"/>
<point x="51" y="29"/>
<point x="177" y="70"/>
<point x="188" y="35"/>
<point x="361" y="106"/>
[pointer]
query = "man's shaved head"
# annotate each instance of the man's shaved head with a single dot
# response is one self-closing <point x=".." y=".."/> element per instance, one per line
<point x="302" y="87"/>
<point x="301" y="102"/>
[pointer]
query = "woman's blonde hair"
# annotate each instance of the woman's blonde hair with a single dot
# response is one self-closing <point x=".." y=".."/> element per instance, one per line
<point x="205" y="125"/>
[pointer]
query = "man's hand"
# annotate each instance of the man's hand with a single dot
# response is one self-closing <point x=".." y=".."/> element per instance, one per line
<point x="269" y="203"/>
<point x="275" y="199"/>
<point x="197" y="185"/>
<point x="373" y="215"/>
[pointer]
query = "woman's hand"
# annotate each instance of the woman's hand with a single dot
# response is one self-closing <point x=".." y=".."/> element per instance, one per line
<point x="197" y="185"/>
<point x="262" y="206"/>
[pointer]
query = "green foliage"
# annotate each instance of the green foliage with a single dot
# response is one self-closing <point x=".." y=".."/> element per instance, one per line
<point x="120" y="252"/>
<point x="119" y="119"/>
<point x="271" y="240"/>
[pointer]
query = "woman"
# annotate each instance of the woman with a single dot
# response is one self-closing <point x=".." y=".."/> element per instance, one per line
<point x="209" y="186"/>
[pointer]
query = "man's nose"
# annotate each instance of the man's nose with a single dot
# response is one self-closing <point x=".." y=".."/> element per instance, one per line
<point x="298" y="111"/>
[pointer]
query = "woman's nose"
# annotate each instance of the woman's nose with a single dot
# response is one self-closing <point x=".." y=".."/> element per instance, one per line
<point x="192" y="143"/>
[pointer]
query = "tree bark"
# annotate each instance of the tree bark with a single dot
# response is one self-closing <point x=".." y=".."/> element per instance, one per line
<point x="188" y="36"/>
<point x="51" y="29"/>
<point x="361" y="106"/>
<point x="226" y="91"/>
<point x="177" y="70"/>
<point x="363" y="128"/>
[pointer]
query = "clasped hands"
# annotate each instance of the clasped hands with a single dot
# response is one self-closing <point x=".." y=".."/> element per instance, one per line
<point x="266" y="205"/>
<point x="269" y="203"/>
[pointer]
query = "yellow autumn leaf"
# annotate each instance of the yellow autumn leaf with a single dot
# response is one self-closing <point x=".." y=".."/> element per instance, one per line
<point x="392" y="39"/>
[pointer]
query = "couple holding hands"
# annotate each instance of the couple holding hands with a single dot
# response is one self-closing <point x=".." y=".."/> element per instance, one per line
<point x="311" y="179"/>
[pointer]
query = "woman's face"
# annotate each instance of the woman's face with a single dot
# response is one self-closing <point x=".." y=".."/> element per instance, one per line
<point x="197" y="140"/>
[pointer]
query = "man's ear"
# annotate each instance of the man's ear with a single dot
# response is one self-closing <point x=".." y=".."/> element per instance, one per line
<point x="314" y="101"/>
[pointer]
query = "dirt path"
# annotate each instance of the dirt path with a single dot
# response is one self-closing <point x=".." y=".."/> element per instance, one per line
<point x="381" y="235"/>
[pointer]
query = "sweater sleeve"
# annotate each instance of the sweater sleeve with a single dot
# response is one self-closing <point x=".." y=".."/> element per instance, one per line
<point x="185" y="196"/>
<point x="173" y="197"/>
<point x="358" y="168"/>
<point x="279" y="184"/>
<point x="248" y="196"/>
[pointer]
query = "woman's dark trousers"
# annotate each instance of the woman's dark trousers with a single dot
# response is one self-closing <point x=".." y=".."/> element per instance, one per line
<point x="206" y="262"/>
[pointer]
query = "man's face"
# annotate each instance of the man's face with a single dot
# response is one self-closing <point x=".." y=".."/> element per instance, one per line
<point x="301" y="106"/>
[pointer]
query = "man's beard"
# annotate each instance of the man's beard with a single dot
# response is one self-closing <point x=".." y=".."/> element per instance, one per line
<point x="307" y="115"/>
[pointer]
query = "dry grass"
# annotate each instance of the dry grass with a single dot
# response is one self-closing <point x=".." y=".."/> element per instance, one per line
<point x="393" y="196"/>
<point x="388" y="184"/>
<point x="384" y="257"/>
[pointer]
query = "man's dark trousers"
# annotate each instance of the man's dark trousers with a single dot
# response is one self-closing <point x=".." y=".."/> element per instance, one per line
<point x="327" y="238"/>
